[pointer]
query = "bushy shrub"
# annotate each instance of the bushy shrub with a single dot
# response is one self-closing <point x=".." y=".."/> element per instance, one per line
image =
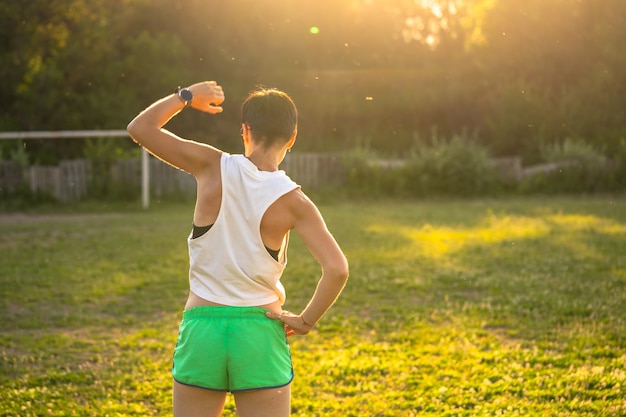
<point x="617" y="165"/>
<point x="454" y="167"/>
<point x="366" y="176"/>
<point x="576" y="167"/>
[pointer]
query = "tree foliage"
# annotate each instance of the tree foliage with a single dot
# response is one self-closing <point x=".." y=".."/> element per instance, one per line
<point x="518" y="75"/>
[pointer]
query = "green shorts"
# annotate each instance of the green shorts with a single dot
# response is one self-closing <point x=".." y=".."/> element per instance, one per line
<point x="231" y="349"/>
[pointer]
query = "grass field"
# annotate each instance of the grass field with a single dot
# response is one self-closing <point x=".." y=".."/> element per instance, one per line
<point x="453" y="308"/>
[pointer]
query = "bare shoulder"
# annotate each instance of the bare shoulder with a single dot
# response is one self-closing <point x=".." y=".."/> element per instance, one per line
<point x="290" y="211"/>
<point x="288" y="208"/>
<point x="299" y="203"/>
<point x="304" y="212"/>
<point x="209" y="162"/>
<point x="311" y="227"/>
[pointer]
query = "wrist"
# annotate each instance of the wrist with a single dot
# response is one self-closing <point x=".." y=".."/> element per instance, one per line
<point x="305" y="322"/>
<point x="185" y="95"/>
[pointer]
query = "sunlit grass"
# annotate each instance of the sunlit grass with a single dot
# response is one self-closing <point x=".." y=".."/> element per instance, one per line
<point x="453" y="308"/>
<point x="442" y="241"/>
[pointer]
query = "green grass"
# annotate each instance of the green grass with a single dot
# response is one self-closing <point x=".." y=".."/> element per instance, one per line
<point x="453" y="308"/>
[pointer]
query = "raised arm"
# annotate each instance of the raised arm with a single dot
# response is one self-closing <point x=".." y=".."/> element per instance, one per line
<point x="147" y="129"/>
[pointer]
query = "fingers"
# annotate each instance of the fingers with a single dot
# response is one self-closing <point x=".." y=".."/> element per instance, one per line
<point x="292" y="322"/>
<point x="213" y="109"/>
<point x="207" y="97"/>
<point x="212" y="89"/>
<point x="285" y="316"/>
<point x="272" y="315"/>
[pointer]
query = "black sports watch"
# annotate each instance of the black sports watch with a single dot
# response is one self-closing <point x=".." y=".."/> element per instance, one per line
<point x="185" y="95"/>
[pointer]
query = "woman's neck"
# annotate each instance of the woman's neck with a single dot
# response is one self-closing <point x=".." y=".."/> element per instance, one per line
<point x="263" y="161"/>
<point x="266" y="159"/>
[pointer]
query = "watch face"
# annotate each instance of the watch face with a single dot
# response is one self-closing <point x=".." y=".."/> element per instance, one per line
<point x="185" y="94"/>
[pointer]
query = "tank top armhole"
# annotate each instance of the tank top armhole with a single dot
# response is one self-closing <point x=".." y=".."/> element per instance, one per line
<point x="199" y="230"/>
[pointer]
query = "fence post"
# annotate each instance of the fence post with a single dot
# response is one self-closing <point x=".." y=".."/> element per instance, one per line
<point x="145" y="179"/>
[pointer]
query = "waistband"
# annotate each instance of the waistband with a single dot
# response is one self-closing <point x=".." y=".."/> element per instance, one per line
<point x="223" y="312"/>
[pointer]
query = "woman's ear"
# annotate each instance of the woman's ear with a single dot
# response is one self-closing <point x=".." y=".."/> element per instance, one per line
<point x="245" y="132"/>
<point x="245" y="138"/>
<point x="293" y="139"/>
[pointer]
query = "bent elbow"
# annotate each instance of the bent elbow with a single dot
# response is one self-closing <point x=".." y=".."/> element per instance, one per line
<point x="345" y="272"/>
<point x="132" y="129"/>
<point x="341" y="271"/>
<point x="136" y="131"/>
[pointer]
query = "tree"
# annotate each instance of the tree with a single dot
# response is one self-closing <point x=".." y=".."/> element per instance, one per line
<point x="553" y="73"/>
<point x="516" y="75"/>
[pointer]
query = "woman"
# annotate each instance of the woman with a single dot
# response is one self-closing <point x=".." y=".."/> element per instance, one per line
<point x="233" y="333"/>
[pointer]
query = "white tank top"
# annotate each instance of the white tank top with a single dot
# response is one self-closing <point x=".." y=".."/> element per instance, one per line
<point x="229" y="264"/>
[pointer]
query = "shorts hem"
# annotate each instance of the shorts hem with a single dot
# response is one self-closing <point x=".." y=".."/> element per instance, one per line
<point x="236" y="390"/>
<point x="270" y="387"/>
<point x="201" y="387"/>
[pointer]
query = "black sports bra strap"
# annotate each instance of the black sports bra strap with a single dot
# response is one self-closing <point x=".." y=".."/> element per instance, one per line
<point x="199" y="230"/>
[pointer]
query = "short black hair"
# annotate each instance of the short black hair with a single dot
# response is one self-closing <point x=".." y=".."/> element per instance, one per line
<point x="271" y="115"/>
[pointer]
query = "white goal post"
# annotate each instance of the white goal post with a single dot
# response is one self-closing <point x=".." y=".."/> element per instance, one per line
<point x="81" y="134"/>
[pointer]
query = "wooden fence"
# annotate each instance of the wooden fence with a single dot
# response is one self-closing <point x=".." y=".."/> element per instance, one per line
<point x="71" y="180"/>
<point x="315" y="170"/>
<point x="11" y="176"/>
<point x="164" y="179"/>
